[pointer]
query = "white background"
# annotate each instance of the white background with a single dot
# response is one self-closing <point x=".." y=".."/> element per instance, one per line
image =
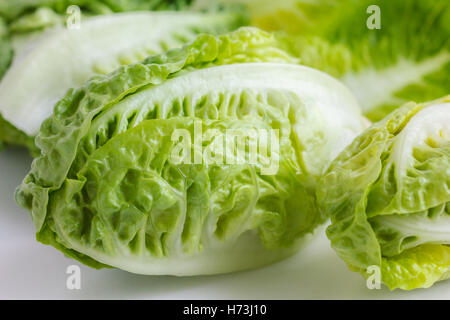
<point x="30" y="270"/>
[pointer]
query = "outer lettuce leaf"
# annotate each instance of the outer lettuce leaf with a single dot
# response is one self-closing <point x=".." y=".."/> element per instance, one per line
<point x="10" y="135"/>
<point x="316" y="52"/>
<point x="6" y="50"/>
<point x="132" y="218"/>
<point x="145" y="214"/>
<point x="419" y="267"/>
<point x="407" y="59"/>
<point x="388" y="196"/>
<point x="46" y="65"/>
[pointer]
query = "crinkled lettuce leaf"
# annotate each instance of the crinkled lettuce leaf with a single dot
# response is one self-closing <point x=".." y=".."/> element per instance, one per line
<point x="105" y="189"/>
<point x="49" y="63"/>
<point x="389" y="199"/>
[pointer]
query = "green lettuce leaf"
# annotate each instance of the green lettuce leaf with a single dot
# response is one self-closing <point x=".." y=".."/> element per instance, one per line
<point x="6" y="50"/>
<point x="7" y="132"/>
<point x="13" y="10"/>
<point x="389" y="200"/>
<point x="38" y="20"/>
<point x="105" y="188"/>
<point x="406" y="59"/>
<point x="49" y="63"/>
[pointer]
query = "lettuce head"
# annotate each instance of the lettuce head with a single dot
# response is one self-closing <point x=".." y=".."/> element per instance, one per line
<point x="48" y="62"/>
<point x="388" y="52"/>
<point x="389" y="198"/>
<point x="106" y="190"/>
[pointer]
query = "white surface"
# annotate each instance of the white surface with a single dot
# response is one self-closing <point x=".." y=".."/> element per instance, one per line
<point x="30" y="270"/>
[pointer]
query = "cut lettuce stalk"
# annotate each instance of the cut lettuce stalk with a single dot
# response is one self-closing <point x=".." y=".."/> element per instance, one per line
<point x="389" y="198"/>
<point x="47" y="64"/>
<point x="106" y="191"/>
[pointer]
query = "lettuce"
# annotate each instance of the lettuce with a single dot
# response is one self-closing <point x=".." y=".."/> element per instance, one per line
<point x="106" y="191"/>
<point x="18" y="9"/>
<point x="10" y="135"/>
<point x="303" y="17"/>
<point x="407" y="59"/>
<point x="389" y="198"/>
<point x="48" y="63"/>
<point x="6" y="50"/>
